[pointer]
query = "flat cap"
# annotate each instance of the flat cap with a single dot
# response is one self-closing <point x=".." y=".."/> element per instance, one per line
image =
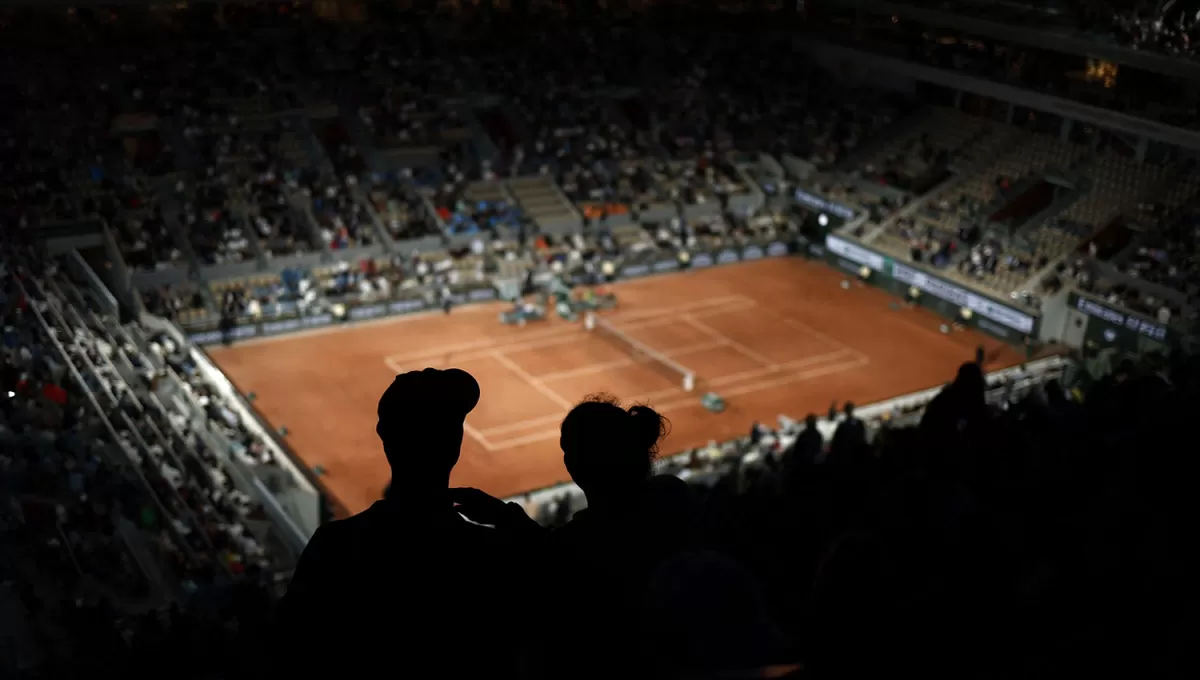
<point x="447" y="395"/>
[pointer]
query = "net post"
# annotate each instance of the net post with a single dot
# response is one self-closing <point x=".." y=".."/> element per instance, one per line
<point x="689" y="382"/>
<point x="589" y="321"/>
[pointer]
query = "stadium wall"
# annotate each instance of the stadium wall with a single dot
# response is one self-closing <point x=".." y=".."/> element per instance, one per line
<point x="1109" y="328"/>
<point x="1000" y="319"/>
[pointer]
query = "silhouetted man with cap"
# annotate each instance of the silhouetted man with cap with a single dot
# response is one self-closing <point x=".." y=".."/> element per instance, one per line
<point x="408" y="584"/>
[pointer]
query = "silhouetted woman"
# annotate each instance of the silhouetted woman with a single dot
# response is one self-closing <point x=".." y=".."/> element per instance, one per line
<point x="608" y="450"/>
<point x="633" y="522"/>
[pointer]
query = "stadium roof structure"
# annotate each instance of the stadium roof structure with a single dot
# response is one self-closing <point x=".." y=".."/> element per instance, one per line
<point x="1018" y="23"/>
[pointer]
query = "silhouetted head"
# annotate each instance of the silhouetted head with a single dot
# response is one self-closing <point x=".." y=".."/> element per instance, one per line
<point x="609" y="450"/>
<point x="970" y="380"/>
<point x="810" y="421"/>
<point x="848" y="409"/>
<point x="421" y="418"/>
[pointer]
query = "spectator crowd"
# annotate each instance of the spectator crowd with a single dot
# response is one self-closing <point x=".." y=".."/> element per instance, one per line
<point x="274" y="150"/>
<point x="1036" y="528"/>
<point x="966" y="536"/>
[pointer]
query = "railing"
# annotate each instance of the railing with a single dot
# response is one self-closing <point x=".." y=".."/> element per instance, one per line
<point x="120" y="461"/>
<point x="116" y="403"/>
<point x="76" y="263"/>
<point x="245" y="480"/>
<point x="305" y="511"/>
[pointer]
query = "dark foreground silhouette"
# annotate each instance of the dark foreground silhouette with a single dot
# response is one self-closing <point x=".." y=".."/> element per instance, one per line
<point x="1046" y="538"/>
<point x="408" y="584"/>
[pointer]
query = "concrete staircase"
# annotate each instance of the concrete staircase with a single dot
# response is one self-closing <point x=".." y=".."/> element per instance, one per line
<point x="543" y="202"/>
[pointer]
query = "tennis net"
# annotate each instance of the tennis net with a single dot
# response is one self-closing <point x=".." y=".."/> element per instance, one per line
<point x="641" y="351"/>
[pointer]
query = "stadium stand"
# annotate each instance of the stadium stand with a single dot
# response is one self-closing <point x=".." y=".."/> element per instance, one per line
<point x="148" y="517"/>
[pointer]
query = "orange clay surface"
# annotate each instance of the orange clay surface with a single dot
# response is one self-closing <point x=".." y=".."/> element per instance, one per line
<point x="775" y="336"/>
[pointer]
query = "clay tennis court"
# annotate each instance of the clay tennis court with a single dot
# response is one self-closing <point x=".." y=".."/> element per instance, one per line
<point x="774" y="336"/>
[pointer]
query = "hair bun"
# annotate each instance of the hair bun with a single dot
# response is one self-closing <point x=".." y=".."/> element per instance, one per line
<point x="648" y="427"/>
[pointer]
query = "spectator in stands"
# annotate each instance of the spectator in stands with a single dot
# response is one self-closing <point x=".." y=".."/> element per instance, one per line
<point x="1059" y="556"/>
<point x="960" y="405"/>
<point x="419" y="580"/>
<point x="633" y="522"/>
<point x="849" y="439"/>
<point x="807" y="447"/>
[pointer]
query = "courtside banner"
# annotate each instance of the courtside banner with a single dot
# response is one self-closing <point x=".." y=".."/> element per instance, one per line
<point x="367" y="312"/>
<point x="213" y="337"/>
<point x="938" y="287"/>
<point x="312" y="321"/>
<point x="205" y="338"/>
<point x="362" y="311"/>
<point x="406" y="306"/>
<point x="634" y="271"/>
<point x="855" y="253"/>
<point x="1127" y="320"/>
<point x="823" y="205"/>
<point x="978" y="304"/>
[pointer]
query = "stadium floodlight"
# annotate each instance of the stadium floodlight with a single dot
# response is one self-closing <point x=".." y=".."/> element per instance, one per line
<point x="823" y="220"/>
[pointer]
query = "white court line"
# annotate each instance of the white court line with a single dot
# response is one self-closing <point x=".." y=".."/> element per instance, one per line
<point x="396" y="368"/>
<point x="533" y="382"/>
<point x="622" y="363"/>
<point x="679" y="309"/>
<point x="520" y="346"/>
<point x="758" y="372"/>
<point x="477" y="436"/>
<point x="560" y="338"/>
<point x="805" y="328"/>
<point x="523" y="425"/>
<point x="526" y="339"/>
<point x="484" y="344"/>
<point x="695" y="401"/>
<point x="676" y="391"/>
<point x="742" y="376"/>
<point x="778" y="382"/>
<point x="564" y="339"/>
<point x="717" y="335"/>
